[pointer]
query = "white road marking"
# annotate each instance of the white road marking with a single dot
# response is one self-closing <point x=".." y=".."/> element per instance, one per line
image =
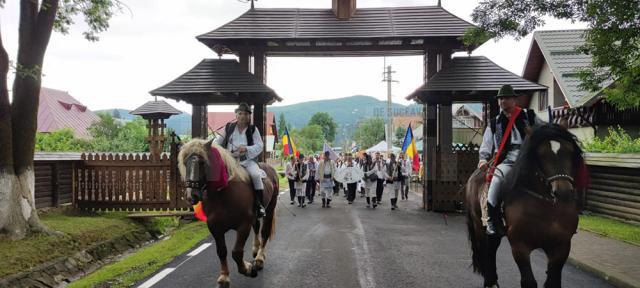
<point x="363" y="257"/>
<point x="555" y="146"/>
<point x="199" y="249"/>
<point x="155" y="279"/>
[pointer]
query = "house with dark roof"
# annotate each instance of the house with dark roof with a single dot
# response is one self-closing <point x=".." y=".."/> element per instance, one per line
<point x="554" y="61"/>
<point x="58" y="109"/>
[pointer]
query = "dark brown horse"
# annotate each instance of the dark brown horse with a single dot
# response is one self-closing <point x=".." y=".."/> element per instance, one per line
<point x="229" y="207"/>
<point x="541" y="209"/>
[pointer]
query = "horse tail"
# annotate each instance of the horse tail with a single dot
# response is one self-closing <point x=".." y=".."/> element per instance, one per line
<point x="273" y="225"/>
<point x="271" y="209"/>
<point x="477" y="238"/>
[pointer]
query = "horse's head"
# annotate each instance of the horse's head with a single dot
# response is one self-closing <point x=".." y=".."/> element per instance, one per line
<point x="192" y="162"/>
<point x="551" y="155"/>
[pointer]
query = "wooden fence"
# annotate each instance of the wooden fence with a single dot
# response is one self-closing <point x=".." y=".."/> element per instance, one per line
<point x="128" y="182"/>
<point x="53" y="174"/>
<point x="615" y="185"/>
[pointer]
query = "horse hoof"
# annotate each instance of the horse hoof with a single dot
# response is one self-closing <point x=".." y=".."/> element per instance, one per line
<point x="223" y="285"/>
<point x="259" y="265"/>
<point x="254" y="270"/>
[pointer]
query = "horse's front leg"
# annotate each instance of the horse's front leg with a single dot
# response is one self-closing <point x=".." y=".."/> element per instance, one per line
<point x="221" y="248"/>
<point x="491" y="277"/>
<point x="521" y="255"/>
<point x="244" y="268"/>
<point x="557" y="256"/>
<point x="256" y="239"/>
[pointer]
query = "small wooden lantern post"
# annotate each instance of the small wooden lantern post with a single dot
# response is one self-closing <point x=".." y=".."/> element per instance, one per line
<point x="155" y="112"/>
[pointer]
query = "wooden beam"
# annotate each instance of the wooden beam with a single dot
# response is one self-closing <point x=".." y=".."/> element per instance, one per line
<point x="259" y="66"/>
<point x="243" y="58"/>
<point x="445" y="129"/>
<point x="199" y="125"/>
<point x="260" y="120"/>
<point x="430" y="64"/>
<point x="429" y="151"/>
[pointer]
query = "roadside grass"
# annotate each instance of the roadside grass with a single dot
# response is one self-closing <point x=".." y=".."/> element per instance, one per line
<point x="80" y="230"/>
<point x="611" y="228"/>
<point x="143" y="263"/>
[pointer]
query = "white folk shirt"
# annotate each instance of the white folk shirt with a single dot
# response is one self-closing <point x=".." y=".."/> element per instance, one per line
<point x="239" y="138"/>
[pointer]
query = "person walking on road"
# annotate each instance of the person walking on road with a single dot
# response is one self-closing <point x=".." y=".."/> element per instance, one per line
<point x="301" y="176"/>
<point x="326" y="177"/>
<point x="290" y="172"/>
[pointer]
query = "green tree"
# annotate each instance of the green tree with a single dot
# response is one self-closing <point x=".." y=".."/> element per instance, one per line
<point x="400" y="133"/>
<point x="370" y="132"/>
<point x="281" y="125"/>
<point x="110" y="136"/>
<point x="311" y="137"/>
<point x="613" y="38"/>
<point x="38" y="19"/>
<point x="325" y="121"/>
<point x="61" y="140"/>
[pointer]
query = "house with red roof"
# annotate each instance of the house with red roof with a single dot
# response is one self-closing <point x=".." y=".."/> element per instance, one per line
<point x="57" y="110"/>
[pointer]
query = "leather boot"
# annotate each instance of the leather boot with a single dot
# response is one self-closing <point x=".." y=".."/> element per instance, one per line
<point x="494" y="222"/>
<point x="328" y="203"/>
<point x="324" y="202"/>
<point x="260" y="212"/>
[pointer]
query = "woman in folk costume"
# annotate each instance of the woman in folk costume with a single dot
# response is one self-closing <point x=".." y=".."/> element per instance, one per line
<point x="380" y="168"/>
<point x="394" y="171"/>
<point x="326" y="174"/>
<point x="370" y="180"/>
<point x="351" y="187"/>
<point x="301" y="177"/>
<point x="290" y="172"/>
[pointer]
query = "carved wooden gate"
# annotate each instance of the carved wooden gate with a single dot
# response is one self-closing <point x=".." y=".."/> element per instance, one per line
<point x="453" y="170"/>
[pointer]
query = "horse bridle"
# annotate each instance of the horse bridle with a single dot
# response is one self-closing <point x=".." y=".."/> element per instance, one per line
<point x="548" y="181"/>
<point x="199" y="186"/>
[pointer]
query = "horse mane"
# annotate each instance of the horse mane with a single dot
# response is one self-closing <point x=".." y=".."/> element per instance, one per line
<point x="527" y="160"/>
<point x="198" y="147"/>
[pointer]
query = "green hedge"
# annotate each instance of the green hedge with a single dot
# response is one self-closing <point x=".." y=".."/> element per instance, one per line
<point x="618" y="141"/>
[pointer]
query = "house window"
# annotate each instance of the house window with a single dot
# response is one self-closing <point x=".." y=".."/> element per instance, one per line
<point x="543" y="100"/>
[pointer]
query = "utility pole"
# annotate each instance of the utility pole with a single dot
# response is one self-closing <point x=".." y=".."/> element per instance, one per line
<point x="388" y="77"/>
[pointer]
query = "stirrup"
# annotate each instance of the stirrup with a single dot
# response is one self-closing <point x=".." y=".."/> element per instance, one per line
<point x="260" y="212"/>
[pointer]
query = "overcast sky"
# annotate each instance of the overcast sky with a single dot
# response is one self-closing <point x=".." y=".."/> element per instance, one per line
<point x="153" y="42"/>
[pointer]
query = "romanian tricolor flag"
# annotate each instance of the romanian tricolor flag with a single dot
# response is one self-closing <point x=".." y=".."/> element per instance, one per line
<point x="288" y="147"/>
<point x="409" y="148"/>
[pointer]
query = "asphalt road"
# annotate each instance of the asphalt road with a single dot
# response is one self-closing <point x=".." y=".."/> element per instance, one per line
<point x="354" y="246"/>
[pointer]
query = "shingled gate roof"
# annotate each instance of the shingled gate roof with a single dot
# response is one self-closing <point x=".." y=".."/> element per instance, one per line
<point x="161" y="108"/>
<point x="473" y="74"/>
<point x="217" y="81"/>
<point x="559" y="49"/>
<point x="278" y="27"/>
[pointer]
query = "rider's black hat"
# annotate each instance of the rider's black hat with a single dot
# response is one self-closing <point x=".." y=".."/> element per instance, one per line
<point x="244" y="107"/>
<point x="506" y="91"/>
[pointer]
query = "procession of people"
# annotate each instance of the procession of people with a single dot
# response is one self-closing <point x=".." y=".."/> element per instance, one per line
<point x="367" y="174"/>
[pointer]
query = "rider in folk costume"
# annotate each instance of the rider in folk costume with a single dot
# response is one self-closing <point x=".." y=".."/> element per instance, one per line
<point x="504" y="150"/>
<point x="326" y="174"/>
<point x="245" y="143"/>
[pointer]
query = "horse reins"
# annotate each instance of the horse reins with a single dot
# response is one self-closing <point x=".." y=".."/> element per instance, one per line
<point x="547" y="181"/>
